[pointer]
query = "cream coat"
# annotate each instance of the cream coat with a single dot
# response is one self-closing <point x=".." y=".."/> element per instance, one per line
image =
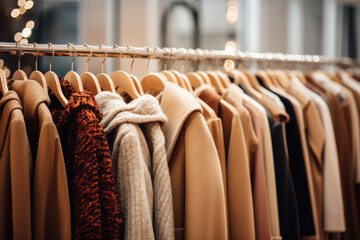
<point x="139" y="158"/>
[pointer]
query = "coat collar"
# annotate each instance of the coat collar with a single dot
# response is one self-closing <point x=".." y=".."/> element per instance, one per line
<point x="8" y="103"/>
<point x="31" y="95"/>
<point x="177" y="104"/>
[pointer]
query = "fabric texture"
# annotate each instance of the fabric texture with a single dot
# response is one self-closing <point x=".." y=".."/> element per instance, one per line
<point x="139" y="159"/>
<point x="15" y="166"/>
<point x="50" y="210"/>
<point x="95" y="209"/>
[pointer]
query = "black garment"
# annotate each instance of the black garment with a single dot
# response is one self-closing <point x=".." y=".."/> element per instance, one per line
<point x="297" y="167"/>
<point x="287" y="201"/>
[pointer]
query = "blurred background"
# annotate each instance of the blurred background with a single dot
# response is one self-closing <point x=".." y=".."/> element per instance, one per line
<point x="325" y="27"/>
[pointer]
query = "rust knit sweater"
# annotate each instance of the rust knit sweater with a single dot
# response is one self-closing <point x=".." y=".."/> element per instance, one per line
<point x="95" y="210"/>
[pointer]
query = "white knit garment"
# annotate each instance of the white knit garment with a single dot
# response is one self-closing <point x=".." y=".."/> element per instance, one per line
<point x="139" y="158"/>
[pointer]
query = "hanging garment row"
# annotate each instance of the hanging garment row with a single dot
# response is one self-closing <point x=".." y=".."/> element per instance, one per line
<point x="208" y="154"/>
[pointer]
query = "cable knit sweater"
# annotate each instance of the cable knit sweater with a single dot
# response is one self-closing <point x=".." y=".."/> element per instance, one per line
<point x="139" y="157"/>
<point x="95" y="210"/>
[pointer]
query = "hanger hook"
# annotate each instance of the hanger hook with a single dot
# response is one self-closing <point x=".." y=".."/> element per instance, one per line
<point x="53" y="53"/>
<point x="87" y="61"/>
<point x="116" y="46"/>
<point x="149" y="58"/>
<point x="37" y="54"/>
<point x="72" y="62"/>
<point x="173" y="51"/>
<point x="194" y="62"/>
<point x="133" y="59"/>
<point x="167" y="59"/>
<point x="160" y="58"/>
<point x="186" y="59"/>
<point x="19" y="53"/>
<point x="106" y="54"/>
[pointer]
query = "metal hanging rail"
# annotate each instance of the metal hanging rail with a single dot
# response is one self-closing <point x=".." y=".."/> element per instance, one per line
<point x="166" y="53"/>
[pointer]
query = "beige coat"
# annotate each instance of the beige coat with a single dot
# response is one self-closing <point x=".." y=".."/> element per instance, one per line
<point x="50" y="196"/>
<point x="269" y="161"/>
<point x="252" y="125"/>
<point x="334" y="218"/>
<point x="196" y="179"/>
<point x="15" y="162"/>
<point x="241" y="216"/>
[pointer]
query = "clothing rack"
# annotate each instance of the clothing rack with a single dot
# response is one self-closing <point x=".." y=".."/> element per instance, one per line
<point x="167" y="53"/>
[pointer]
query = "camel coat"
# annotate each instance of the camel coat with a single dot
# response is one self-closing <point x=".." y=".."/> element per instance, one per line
<point x="15" y="162"/>
<point x="195" y="172"/>
<point x="241" y="216"/>
<point x="50" y="196"/>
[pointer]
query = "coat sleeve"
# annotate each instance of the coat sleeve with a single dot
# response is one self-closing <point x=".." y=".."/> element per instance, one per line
<point x="134" y="183"/>
<point x="51" y="205"/>
<point x="205" y="211"/>
<point x="20" y="160"/>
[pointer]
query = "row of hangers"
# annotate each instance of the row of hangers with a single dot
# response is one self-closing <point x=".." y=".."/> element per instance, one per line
<point x="128" y="84"/>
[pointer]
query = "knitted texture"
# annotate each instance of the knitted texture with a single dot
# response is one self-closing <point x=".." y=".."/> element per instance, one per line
<point x="95" y="209"/>
<point x="138" y="151"/>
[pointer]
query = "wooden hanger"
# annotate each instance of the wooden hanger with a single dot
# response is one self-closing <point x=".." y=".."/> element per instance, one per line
<point x="241" y="77"/>
<point x="215" y="81"/>
<point x="169" y="75"/>
<point x="3" y="83"/>
<point x="223" y="78"/>
<point x="105" y="81"/>
<point x="272" y="77"/>
<point x="195" y="79"/>
<point x="153" y="81"/>
<point x="252" y="79"/>
<point x="225" y="81"/>
<point x="88" y="79"/>
<point x="19" y="74"/>
<point x="73" y="77"/>
<point x="283" y="79"/>
<point x="53" y="82"/>
<point x="300" y="76"/>
<point x="176" y="73"/>
<point x="123" y="81"/>
<point x="37" y="75"/>
<point x="187" y="82"/>
<point x="136" y="80"/>
<point x="267" y="80"/>
<point x="204" y="76"/>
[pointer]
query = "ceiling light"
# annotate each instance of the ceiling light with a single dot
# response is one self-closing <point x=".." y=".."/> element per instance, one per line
<point x="22" y="10"/>
<point x="26" y="32"/>
<point x="21" y="3"/>
<point x="15" y="13"/>
<point x="18" y="36"/>
<point x="29" y="4"/>
<point x="30" y="24"/>
<point x="229" y="65"/>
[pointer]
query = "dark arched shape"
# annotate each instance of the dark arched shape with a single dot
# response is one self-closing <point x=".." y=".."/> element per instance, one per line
<point x="166" y="14"/>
